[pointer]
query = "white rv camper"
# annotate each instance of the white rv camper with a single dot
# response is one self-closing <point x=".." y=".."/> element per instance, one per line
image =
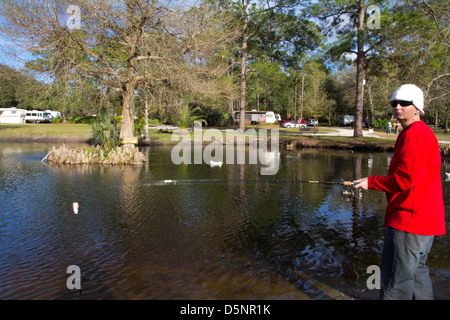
<point x="12" y="115"/>
<point x="270" y="117"/>
<point x="38" y="116"/>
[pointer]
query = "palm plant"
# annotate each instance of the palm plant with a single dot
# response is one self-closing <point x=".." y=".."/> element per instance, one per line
<point x="186" y="118"/>
<point x="104" y="133"/>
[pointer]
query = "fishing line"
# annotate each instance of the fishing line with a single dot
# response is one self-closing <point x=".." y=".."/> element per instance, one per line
<point x="188" y="181"/>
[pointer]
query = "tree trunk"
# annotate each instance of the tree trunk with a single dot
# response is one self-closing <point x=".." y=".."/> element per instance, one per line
<point x="360" y="62"/>
<point x="127" y="127"/>
<point x="295" y="97"/>
<point x="231" y="108"/>
<point x="147" y="137"/>
<point x="244" y="48"/>
<point x="446" y="120"/>
<point x="369" y="118"/>
<point x="302" y="96"/>
<point x="230" y="99"/>
<point x="257" y="100"/>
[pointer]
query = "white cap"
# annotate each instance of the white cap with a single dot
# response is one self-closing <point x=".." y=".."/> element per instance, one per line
<point x="410" y="92"/>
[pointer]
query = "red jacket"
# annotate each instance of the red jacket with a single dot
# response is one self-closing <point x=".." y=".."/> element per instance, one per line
<point x="413" y="185"/>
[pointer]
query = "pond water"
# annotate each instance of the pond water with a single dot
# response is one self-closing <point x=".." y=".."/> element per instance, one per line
<point x="220" y="239"/>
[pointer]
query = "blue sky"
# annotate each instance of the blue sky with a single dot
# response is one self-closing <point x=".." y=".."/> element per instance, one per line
<point x="11" y="55"/>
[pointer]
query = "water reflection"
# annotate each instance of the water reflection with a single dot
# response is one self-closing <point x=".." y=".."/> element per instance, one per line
<point x="211" y="240"/>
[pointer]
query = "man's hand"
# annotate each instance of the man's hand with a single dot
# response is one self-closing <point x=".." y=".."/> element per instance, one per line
<point x="361" y="183"/>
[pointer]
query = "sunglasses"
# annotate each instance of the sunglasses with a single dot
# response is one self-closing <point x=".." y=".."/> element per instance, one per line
<point x="401" y="102"/>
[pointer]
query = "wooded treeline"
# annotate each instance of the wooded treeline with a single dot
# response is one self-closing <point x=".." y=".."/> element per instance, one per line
<point x="303" y="59"/>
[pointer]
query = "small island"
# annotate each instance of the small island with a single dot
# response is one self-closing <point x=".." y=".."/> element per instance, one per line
<point x="125" y="154"/>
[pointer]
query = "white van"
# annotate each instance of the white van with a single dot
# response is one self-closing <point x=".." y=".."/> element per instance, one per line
<point x="38" y="117"/>
<point x="346" y="120"/>
<point x="12" y="115"/>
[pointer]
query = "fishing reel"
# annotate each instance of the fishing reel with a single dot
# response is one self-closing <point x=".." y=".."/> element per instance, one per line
<point x="348" y="194"/>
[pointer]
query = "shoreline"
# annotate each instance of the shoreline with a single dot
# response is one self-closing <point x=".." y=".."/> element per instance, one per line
<point x="297" y="142"/>
<point x="302" y="142"/>
<point x="46" y="139"/>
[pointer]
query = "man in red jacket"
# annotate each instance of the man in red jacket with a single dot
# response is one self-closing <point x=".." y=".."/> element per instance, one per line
<point x="415" y="210"/>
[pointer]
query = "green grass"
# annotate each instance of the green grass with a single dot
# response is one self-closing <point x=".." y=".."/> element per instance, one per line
<point x="440" y="134"/>
<point x="44" y="129"/>
<point x="83" y="130"/>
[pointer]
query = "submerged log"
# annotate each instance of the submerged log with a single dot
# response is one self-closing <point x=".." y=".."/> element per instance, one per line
<point x="126" y="154"/>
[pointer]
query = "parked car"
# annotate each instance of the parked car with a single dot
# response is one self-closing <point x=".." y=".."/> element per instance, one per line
<point x="289" y="124"/>
<point x="346" y="120"/>
<point x="313" y="122"/>
<point x="280" y="122"/>
<point x="293" y="124"/>
<point x="366" y="124"/>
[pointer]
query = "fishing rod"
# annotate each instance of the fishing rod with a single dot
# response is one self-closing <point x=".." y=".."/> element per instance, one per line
<point x="182" y="181"/>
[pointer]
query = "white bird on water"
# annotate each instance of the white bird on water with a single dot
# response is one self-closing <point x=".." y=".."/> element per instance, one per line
<point x="215" y="163"/>
<point x="75" y="207"/>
